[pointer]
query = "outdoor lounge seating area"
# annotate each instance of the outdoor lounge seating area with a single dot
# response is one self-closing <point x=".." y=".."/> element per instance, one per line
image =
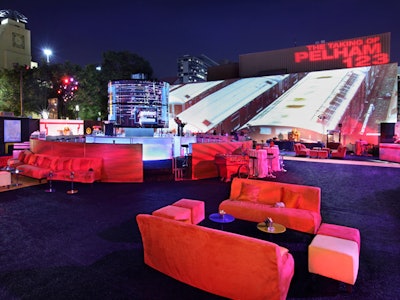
<point x="333" y="252"/>
<point x="40" y="166"/>
<point x="197" y="255"/>
<point x="93" y="237"/>
<point x="256" y="200"/>
<point x="320" y="152"/>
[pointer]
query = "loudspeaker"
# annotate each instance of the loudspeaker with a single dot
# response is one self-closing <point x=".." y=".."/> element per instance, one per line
<point x="109" y="129"/>
<point x="387" y="132"/>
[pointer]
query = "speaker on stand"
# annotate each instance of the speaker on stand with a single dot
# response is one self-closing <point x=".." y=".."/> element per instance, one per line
<point x="109" y="129"/>
<point x="387" y="133"/>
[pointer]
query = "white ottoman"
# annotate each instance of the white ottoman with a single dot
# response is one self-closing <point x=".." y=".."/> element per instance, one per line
<point x="334" y="257"/>
<point x="5" y="178"/>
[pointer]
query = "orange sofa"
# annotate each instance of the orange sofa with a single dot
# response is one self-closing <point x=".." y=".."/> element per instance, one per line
<point x="256" y="200"/>
<point x="39" y="166"/>
<point x="219" y="262"/>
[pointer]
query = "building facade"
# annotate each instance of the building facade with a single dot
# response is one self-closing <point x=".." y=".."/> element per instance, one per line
<point x="194" y="68"/>
<point x="15" y="40"/>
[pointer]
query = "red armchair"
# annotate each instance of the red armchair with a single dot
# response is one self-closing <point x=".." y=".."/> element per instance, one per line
<point x="301" y="150"/>
<point x="340" y="152"/>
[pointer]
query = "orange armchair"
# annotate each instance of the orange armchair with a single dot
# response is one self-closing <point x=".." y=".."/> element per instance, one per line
<point x="340" y="152"/>
<point x="301" y="150"/>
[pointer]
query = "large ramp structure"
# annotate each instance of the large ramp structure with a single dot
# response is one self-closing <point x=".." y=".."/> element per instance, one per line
<point x="347" y="103"/>
<point x="345" y="100"/>
<point x="214" y="109"/>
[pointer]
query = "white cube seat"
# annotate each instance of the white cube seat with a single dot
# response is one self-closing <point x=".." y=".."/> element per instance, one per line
<point x="5" y="178"/>
<point x="334" y="257"/>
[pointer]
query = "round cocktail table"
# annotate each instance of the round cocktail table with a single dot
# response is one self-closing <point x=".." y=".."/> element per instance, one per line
<point x="221" y="218"/>
<point x="276" y="228"/>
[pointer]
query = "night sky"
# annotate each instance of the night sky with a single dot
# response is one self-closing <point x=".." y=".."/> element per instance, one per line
<point x="160" y="31"/>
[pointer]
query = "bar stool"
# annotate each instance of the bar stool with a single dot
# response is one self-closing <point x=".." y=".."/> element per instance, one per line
<point x="49" y="179"/>
<point x="72" y="190"/>
<point x="177" y="169"/>
<point x="185" y="148"/>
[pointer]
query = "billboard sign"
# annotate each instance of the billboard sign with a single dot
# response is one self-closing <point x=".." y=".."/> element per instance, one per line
<point x="350" y="53"/>
<point x="353" y="53"/>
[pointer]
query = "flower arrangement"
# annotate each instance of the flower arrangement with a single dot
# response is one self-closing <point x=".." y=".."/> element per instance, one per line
<point x="66" y="130"/>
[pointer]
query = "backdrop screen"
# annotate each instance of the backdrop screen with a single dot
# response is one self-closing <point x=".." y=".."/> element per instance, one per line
<point x="12" y="131"/>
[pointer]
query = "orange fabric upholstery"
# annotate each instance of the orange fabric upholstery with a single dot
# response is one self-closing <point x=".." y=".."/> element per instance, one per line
<point x="175" y="213"/>
<point x="302" y="209"/>
<point x="301" y="150"/>
<point x="340" y="152"/>
<point x="219" y="262"/>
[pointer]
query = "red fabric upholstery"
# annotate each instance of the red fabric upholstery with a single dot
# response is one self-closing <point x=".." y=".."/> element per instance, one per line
<point x="14" y="162"/>
<point x="340" y="152"/>
<point x="4" y="160"/>
<point x="319" y="153"/>
<point x="301" y="150"/>
<point x="21" y="156"/>
<point x="86" y="170"/>
<point x="36" y="169"/>
<point x="39" y="166"/>
<point x="219" y="262"/>
<point x="301" y="211"/>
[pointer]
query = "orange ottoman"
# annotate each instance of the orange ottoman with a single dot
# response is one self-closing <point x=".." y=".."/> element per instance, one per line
<point x="175" y="213"/>
<point x="196" y="207"/>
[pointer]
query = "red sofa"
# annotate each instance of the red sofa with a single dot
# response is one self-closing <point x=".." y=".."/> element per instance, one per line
<point x="40" y="166"/>
<point x="256" y="200"/>
<point x="301" y="150"/>
<point x="340" y="152"/>
<point x="219" y="262"/>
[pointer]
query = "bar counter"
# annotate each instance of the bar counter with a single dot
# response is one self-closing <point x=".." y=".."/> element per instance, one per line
<point x="389" y="152"/>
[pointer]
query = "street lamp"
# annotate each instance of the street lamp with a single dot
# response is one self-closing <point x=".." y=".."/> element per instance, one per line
<point x="47" y="52"/>
<point x="77" y="111"/>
